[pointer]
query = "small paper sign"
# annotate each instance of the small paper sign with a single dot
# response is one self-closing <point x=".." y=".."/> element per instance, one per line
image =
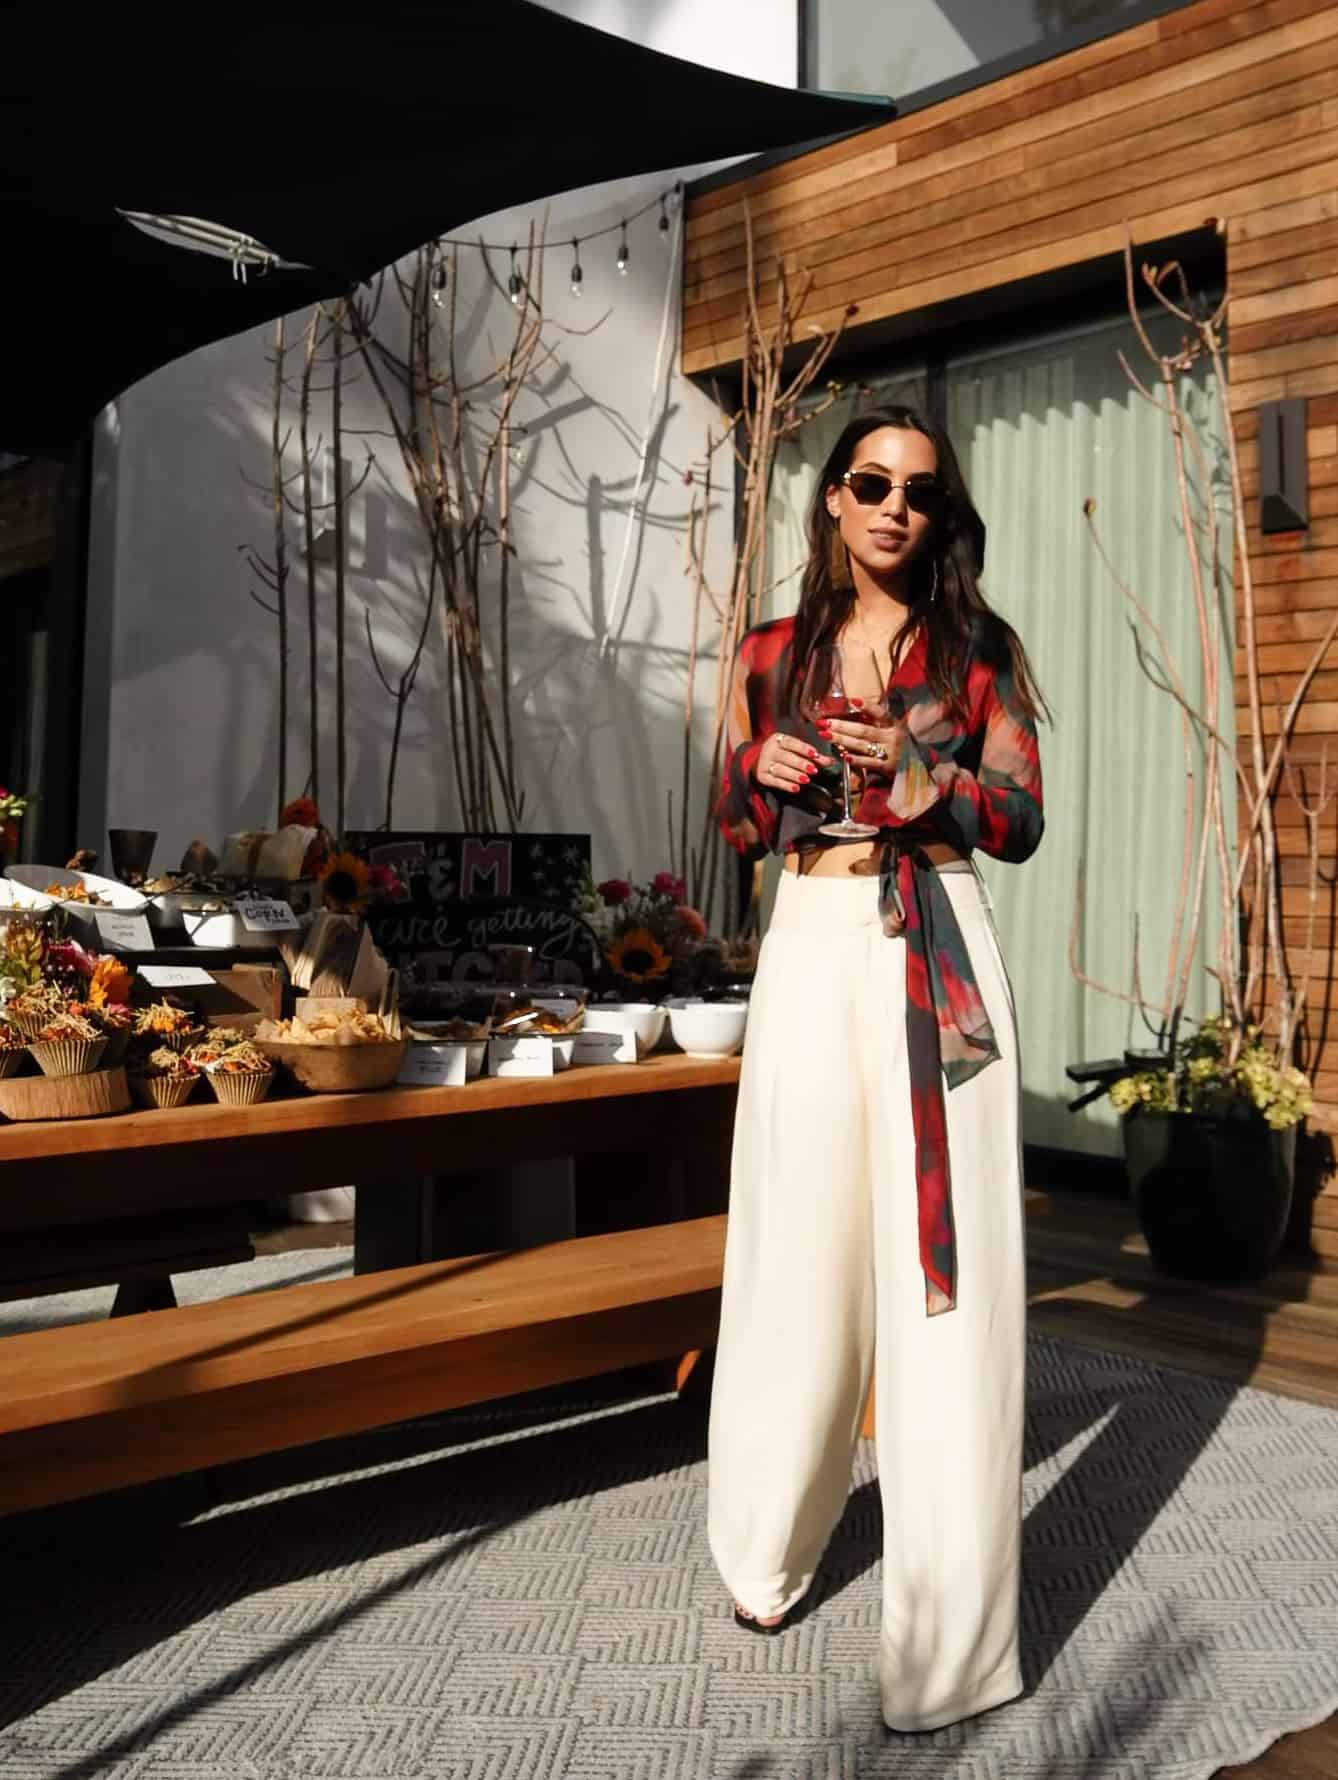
<point x="175" y="976"/>
<point x="434" y="1066"/>
<point x="124" y="933"/>
<point x="604" y="1047"/>
<point x="263" y="914"/>
<point x="520" y="1056"/>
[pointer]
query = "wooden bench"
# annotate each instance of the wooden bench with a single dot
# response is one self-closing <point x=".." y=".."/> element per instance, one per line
<point x="171" y="1391"/>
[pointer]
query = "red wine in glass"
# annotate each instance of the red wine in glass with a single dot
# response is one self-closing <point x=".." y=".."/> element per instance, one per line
<point x="836" y="704"/>
<point x="828" y="679"/>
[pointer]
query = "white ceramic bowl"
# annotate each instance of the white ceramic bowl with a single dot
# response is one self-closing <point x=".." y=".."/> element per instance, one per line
<point x="708" y="1028"/>
<point x="641" y="1018"/>
<point x="17" y="895"/>
<point x="216" y="928"/>
<point x="115" y="895"/>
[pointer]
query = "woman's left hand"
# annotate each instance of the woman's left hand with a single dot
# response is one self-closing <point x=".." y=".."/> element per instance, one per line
<point x="869" y="747"/>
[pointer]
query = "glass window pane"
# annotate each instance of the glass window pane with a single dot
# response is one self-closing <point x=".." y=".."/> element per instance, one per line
<point x="900" y="48"/>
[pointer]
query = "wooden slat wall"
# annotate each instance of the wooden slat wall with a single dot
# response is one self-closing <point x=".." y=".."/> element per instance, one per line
<point x="1225" y="111"/>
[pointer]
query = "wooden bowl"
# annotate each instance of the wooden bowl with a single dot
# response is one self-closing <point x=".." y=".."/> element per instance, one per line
<point x="64" y="1096"/>
<point x="338" y="1069"/>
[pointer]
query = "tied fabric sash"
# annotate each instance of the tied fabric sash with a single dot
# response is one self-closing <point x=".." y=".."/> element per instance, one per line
<point x="948" y="1034"/>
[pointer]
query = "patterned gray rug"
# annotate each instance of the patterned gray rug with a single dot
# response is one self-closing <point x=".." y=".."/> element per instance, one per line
<point x="508" y="1597"/>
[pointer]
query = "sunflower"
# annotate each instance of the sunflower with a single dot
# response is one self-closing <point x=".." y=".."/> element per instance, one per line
<point x="347" y="882"/>
<point x="639" y="955"/>
<point x="111" y="983"/>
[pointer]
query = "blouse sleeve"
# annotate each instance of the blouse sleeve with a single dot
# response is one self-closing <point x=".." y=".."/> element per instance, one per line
<point x="746" y="813"/>
<point x="998" y="808"/>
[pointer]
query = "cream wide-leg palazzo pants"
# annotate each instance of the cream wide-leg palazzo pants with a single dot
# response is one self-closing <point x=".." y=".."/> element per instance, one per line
<point x="823" y="1284"/>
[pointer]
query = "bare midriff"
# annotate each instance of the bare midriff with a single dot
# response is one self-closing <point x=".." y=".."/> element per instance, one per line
<point x="859" y="859"/>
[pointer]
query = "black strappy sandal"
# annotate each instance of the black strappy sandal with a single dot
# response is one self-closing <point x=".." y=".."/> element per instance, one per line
<point x="750" y="1624"/>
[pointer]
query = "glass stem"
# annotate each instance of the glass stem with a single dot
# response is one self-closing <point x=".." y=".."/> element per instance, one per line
<point x="845" y="785"/>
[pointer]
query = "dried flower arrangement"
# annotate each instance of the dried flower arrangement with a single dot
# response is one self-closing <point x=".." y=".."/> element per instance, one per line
<point x="655" y="942"/>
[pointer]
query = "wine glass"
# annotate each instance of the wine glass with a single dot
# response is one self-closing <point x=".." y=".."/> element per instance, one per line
<point x="845" y="681"/>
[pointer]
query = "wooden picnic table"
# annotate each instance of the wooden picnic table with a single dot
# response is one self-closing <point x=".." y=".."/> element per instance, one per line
<point x="393" y="1144"/>
<point x="153" y="1396"/>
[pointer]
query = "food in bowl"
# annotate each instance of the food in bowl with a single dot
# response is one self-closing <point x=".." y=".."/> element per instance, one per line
<point x="242" y="1059"/>
<point x="162" y="1078"/>
<point x="350" y="1026"/>
<point x="162" y="1020"/>
<point x="336" y="1052"/>
<point x="708" y="1028"/>
<point x="33" y="1007"/>
<point x="76" y="893"/>
<point x="216" y="1045"/>
<point x="242" y="1076"/>
<point x="527" y="1018"/>
<point x="69" y="1044"/>
<point x="163" y="1063"/>
<point x="453" y="1031"/>
<point x="68" y="1025"/>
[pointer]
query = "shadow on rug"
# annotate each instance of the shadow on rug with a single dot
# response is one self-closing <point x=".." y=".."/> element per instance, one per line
<point x="495" y="1594"/>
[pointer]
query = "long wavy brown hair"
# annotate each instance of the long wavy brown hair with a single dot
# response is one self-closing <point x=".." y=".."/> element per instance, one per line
<point x="959" y="617"/>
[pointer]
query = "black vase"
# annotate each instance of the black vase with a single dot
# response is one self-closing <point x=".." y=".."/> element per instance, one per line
<point x="1212" y="1192"/>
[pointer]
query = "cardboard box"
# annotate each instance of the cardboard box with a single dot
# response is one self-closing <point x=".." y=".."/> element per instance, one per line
<point x="241" y="995"/>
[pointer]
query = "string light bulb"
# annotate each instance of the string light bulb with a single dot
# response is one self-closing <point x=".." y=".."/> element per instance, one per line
<point x="664" y="214"/>
<point x="624" y="254"/>
<point x="438" y="282"/>
<point x="577" y="276"/>
<point x="516" y="284"/>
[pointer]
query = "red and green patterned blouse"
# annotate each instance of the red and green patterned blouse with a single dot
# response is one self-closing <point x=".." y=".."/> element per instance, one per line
<point x="972" y="781"/>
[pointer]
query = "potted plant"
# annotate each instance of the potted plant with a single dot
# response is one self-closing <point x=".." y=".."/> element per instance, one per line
<point x="1210" y="1115"/>
<point x="1210" y="1145"/>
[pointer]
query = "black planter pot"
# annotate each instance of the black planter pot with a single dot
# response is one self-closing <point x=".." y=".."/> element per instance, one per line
<point x="1212" y="1193"/>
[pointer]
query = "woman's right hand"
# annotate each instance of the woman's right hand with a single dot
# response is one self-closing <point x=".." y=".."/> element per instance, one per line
<point x="788" y="764"/>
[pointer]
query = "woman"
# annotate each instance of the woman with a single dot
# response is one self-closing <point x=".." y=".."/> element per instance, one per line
<point x="876" y="1191"/>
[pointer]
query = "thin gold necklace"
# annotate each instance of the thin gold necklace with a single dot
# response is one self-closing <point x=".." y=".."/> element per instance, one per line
<point x="894" y="641"/>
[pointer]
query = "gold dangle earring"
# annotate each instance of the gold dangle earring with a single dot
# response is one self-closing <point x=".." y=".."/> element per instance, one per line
<point x="838" y="562"/>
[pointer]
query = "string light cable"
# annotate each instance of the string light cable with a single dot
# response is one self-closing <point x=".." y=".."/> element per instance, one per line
<point x="516" y="278"/>
<point x="247" y="254"/>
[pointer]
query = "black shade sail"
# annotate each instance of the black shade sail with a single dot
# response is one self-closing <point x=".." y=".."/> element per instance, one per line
<point x="339" y="140"/>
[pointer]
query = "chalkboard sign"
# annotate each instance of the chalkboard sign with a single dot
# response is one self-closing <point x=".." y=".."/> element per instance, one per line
<point x="448" y="942"/>
<point x="445" y="868"/>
